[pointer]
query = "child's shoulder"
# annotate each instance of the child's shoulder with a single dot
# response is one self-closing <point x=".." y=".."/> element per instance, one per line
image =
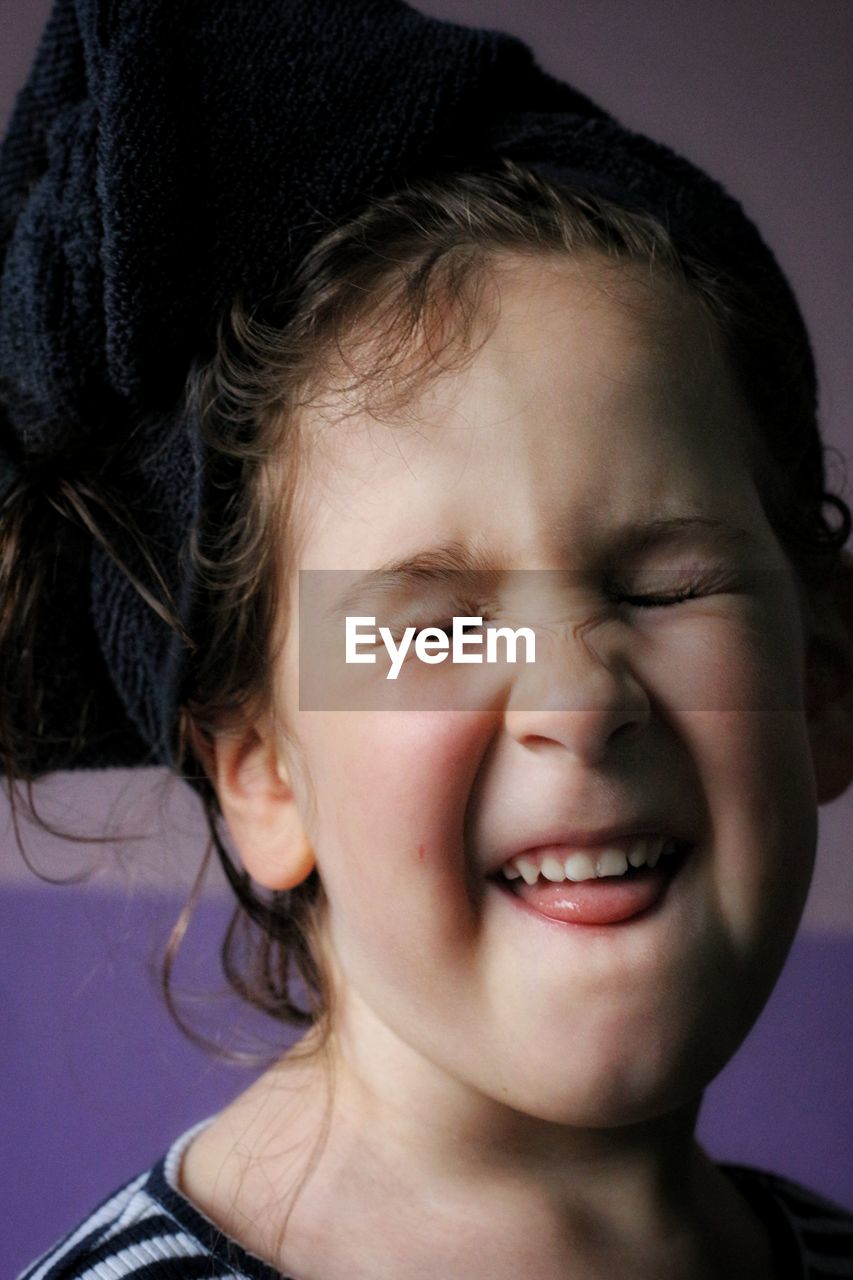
<point x="818" y="1230"/>
<point x="148" y="1228"/>
<point x="125" y="1232"/>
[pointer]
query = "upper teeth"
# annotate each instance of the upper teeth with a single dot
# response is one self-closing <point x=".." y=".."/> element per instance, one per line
<point x="582" y="864"/>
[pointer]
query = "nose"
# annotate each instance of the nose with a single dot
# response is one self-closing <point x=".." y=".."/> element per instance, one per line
<point x="577" y="695"/>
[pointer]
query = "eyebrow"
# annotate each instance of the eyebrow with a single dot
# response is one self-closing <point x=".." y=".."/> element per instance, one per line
<point x="446" y="563"/>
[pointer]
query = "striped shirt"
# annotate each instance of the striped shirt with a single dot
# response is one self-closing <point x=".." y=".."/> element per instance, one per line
<point x="149" y="1230"/>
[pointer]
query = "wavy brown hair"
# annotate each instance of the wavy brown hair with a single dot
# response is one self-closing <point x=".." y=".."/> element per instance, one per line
<point x="380" y="305"/>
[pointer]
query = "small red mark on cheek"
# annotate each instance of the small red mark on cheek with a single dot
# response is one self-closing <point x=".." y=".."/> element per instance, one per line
<point x="421" y="852"/>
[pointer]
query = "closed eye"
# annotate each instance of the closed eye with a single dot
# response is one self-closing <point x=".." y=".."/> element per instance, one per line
<point x="691" y="591"/>
<point x="638" y="602"/>
<point x="656" y="602"/>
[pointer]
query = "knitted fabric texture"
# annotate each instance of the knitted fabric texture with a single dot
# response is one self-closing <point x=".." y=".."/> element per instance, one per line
<point x="163" y="157"/>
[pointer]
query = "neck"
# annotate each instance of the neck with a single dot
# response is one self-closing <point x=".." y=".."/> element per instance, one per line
<point x="422" y="1177"/>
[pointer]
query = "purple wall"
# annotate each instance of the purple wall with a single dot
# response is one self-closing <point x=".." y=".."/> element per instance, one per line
<point x="96" y="1079"/>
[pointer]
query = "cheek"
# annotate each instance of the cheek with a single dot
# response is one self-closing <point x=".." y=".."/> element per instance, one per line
<point x="392" y="790"/>
<point x="740" y="660"/>
<point x="733" y="691"/>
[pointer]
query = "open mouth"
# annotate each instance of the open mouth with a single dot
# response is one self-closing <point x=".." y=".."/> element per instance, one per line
<point x="605" y="899"/>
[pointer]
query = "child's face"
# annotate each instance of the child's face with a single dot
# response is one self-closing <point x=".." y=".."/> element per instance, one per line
<point x="596" y="403"/>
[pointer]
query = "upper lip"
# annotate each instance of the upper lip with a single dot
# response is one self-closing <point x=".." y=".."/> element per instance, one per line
<point x="583" y="838"/>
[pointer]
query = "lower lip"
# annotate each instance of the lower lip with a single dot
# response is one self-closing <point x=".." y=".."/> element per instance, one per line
<point x="609" y="901"/>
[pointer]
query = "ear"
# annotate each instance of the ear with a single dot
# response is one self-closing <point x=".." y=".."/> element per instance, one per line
<point x="829" y="683"/>
<point x="259" y="806"/>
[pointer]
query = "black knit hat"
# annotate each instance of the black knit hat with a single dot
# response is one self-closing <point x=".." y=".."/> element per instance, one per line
<point x="162" y="157"/>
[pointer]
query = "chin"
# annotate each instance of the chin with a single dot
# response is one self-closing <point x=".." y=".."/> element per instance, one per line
<point x="618" y="1095"/>
<point x="597" y="1111"/>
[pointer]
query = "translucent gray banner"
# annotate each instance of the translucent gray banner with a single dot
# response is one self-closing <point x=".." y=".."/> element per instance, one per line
<point x="457" y="640"/>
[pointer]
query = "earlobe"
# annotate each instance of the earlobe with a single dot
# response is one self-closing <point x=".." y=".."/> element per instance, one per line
<point x="260" y="808"/>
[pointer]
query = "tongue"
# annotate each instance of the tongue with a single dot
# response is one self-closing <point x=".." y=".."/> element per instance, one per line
<point x="608" y="900"/>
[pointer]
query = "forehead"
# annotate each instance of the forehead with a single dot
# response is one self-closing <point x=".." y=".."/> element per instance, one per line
<point x="591" y="387"/>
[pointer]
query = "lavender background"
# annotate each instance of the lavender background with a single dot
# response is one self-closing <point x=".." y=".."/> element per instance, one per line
<point x="96" y="1079"/>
